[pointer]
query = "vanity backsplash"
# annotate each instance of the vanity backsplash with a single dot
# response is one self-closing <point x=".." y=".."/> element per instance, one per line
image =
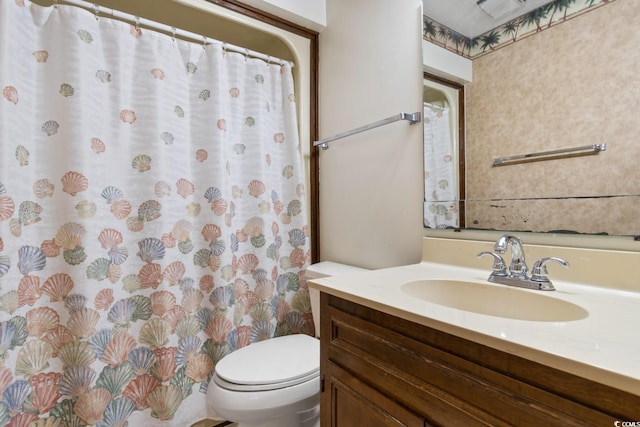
<point x="596" y="267"/>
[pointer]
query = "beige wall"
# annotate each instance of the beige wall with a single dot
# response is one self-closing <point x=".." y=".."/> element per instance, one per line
<point x="575" y="84"/>
<point x="371" y="183"/>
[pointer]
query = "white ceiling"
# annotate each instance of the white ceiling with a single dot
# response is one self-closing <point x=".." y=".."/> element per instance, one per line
<point x="468" y="19"/>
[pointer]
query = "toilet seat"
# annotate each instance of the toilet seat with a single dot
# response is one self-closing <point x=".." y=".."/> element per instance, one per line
<point x="270" y="365"/>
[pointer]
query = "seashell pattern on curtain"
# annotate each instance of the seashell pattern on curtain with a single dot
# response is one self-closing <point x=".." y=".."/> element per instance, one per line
<point x="441" y="206"/>
<point x="151" y="218"/>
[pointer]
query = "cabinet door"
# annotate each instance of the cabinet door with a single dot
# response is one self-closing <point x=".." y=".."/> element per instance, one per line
<point x="349" y="402"/>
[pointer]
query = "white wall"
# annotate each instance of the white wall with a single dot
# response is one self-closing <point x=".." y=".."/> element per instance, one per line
<point x="308" y="13"/>
<point x="371" y="189"/>
<point x="446" y="64"/>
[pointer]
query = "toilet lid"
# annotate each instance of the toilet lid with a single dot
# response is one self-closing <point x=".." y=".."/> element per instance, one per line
<point x="268" y="364"/>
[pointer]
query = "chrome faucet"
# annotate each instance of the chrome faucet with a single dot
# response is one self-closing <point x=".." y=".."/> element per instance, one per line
<point x="518" y="267"/>
<point x="518" y="270"/>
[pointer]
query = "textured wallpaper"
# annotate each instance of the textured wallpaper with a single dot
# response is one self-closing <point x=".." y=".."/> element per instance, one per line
<point x="572" y="85"/>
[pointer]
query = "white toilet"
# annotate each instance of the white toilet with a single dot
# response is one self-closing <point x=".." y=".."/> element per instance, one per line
<point x="274" y="383"/>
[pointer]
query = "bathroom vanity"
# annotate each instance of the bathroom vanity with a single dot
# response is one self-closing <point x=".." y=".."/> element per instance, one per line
<point x="380" y="370"/>
<point x="393" y="357"/>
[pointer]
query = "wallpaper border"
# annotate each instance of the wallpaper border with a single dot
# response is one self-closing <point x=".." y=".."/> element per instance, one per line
<point x="537" y="20"/>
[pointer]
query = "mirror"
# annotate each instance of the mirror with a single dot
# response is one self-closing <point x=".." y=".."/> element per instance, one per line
<point x="573" y="84"/>
<point x="444" y="183"/>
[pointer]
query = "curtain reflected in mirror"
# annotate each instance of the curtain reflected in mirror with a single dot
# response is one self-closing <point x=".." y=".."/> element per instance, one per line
<point x="443" y="111"/>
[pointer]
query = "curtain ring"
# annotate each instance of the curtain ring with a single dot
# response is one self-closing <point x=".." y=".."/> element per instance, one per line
<point x="55" y="4"/>
<point x="136" y="19"/>
<point x="268" y="60"/>
<point x="173" y="33"/>
<point x="204" y="42"/>
<point x="246" y="54"/>
<point x="224" y="48"/>
<point x="96" y="11"/>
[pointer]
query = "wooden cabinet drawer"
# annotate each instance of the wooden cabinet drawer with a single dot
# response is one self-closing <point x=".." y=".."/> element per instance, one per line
<point x="450" y="381"/>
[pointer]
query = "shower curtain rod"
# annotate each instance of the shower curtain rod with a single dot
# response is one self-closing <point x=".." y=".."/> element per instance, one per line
<point x="98" y="10"/>
<point x="437" y="107"/>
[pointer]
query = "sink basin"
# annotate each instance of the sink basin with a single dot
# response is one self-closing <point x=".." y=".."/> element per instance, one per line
<point x="492" y="300"/>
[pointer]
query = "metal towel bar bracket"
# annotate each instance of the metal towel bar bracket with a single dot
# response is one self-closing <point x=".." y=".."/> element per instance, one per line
<point x="595" y="148"/>
<point x="413" y="118"/>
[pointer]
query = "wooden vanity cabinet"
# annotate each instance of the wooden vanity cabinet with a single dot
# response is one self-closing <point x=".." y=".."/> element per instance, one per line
<point x="380" y="370"/>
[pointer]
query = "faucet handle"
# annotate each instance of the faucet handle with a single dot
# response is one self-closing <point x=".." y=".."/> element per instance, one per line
<point x="499" y="267"/>
<point x="539" y="272"/>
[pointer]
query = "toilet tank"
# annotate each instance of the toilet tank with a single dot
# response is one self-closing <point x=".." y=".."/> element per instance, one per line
<point x="324" y="269"/>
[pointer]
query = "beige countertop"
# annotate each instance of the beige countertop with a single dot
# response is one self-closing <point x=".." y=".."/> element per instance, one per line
<point x="603" y="345"/>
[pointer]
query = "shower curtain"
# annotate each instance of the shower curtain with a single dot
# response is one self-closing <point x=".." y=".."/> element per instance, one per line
<point x="151" y="218"/>
<point x="440" y="185"/>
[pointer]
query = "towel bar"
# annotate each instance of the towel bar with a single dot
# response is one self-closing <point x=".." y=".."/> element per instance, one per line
<point x="595" y="148"/>
<point x="411" y="117"/>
